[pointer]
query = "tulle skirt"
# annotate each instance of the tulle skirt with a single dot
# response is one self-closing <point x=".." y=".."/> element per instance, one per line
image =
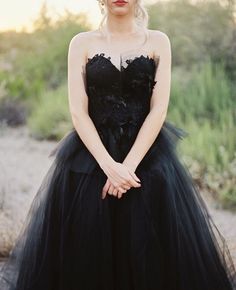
<point x="159" y="236"/>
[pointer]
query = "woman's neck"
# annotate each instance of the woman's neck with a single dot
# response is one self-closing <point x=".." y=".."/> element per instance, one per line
<point x="121" y="25"/>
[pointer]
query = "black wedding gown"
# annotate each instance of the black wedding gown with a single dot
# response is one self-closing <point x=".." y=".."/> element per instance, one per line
<point x="159" y="236"/>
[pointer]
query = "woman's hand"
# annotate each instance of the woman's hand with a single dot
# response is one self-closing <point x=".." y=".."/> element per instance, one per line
<point x="120" y="178"/>
<point x="110" y="189"/>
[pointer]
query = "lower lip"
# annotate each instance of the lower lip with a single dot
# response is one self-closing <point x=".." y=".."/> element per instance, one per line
<point x="120" y="3"/>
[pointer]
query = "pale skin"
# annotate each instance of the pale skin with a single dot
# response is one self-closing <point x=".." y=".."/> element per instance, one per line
<point x="120" y="176"/>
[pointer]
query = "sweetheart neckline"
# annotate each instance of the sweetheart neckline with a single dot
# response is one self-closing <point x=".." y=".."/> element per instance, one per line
<point x="122" y="68"/>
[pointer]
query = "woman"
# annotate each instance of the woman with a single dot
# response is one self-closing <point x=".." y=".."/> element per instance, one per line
<point x="117" y="209"/>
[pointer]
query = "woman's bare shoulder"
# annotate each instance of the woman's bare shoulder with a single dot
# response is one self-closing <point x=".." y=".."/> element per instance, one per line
<point x="84" y="38"/>
<point x="159" y="39"/>
<point x="158" y="35"/>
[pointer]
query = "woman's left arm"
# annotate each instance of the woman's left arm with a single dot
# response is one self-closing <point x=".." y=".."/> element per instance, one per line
<point x="159" y="102"/>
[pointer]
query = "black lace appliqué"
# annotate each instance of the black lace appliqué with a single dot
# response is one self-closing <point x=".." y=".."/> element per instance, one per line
<point x="119" y="99"/>
<point x="154" y="61"/>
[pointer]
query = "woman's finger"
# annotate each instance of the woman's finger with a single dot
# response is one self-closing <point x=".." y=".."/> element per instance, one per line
<point x="126" y="186"/>
<point x="115" y="191"/>
<point x="135" y="176"/>
<point x="110" y="189"/>
<point x="133" y="183"/>
<point x="121" y="189"/>
<point x="105" y="188"/>
<point x="119" y="195"/>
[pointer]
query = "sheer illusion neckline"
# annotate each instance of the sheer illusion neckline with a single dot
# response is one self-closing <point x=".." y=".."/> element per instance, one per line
<point x="122" y="68"/>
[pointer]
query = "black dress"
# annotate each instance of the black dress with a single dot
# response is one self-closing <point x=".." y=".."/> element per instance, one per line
<point x="159" y="236"/>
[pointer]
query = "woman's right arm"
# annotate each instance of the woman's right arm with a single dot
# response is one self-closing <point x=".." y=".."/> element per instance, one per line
<point x="78" y="100"/>
<point x="118" y="173"/>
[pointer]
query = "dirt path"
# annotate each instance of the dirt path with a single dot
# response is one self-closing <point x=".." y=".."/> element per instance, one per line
<point x="23" y="163"/>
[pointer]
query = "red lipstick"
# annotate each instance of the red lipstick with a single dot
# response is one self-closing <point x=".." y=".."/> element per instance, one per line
<point x="120" y="2"/>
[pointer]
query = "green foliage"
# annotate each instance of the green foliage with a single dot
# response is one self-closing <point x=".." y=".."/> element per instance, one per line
<point x="50" y="117"/>
<point x="197" y="30"/>
<point x="203" y="104"/>
<point x="39" y="61"/>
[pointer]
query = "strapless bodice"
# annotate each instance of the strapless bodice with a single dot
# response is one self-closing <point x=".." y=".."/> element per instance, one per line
<point x="119" y="99"/>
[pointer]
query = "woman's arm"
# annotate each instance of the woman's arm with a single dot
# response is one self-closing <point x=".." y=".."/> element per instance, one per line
<point x="159" y="102"/>
<point x="78" y="99"/>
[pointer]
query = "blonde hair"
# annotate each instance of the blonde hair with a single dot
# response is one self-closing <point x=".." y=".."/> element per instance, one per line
<point x="140" y="14"/>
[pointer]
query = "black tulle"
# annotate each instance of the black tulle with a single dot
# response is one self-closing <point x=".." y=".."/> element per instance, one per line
<point x="156" y="237"/>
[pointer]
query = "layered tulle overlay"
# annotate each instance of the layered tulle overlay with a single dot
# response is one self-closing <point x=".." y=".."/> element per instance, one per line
<point x="159" y="236"/>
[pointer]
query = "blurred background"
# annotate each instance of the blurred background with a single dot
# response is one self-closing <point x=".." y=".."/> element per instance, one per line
<point x="34" y="112"/>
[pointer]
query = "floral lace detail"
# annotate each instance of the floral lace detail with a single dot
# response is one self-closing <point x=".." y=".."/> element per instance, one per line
<point x="119" y="100"/>
<point x="97" y="56"/>
<point x="93" y="58"/>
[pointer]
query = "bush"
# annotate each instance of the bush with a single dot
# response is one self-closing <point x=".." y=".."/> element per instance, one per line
<point x="12" y="112"/>
<point x="50" y="117"/>
<point x="198" y="30"/>
<point x="203" y="104"/>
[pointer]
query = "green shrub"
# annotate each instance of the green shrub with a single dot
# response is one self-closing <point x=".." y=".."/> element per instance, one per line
<point x="202" y="103"/>
<point x="50" y="117"/>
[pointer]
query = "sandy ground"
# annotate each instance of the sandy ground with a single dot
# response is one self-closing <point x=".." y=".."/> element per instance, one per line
<point x="23" y="163"/>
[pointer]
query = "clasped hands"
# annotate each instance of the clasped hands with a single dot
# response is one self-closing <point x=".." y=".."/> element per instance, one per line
<point x="120" y="178"/>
